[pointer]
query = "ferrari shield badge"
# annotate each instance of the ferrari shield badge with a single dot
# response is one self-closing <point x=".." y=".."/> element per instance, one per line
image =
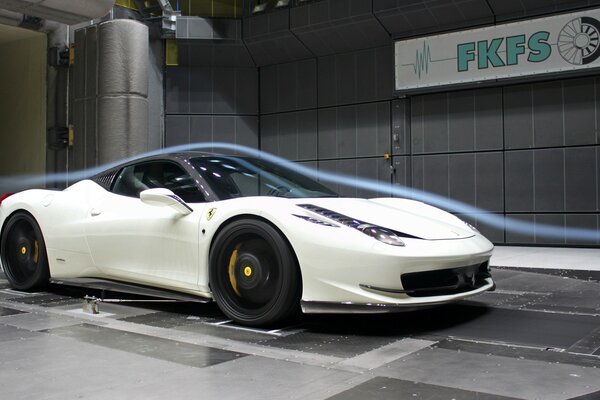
<point x="210" y="213"/>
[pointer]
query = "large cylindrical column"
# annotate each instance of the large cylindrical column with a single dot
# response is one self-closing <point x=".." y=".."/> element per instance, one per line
<point x="122" y="89"/>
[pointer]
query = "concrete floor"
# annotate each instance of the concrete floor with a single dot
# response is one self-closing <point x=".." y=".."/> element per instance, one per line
<point x="536" y="337"/>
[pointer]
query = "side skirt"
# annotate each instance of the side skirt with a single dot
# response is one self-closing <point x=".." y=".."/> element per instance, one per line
<point x="121" y="287"/>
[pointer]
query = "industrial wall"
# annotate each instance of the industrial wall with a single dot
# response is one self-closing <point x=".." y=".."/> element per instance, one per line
<point x="23" y="103"/>
<point x="315" y="84"/>
<point x="212" y="94"/>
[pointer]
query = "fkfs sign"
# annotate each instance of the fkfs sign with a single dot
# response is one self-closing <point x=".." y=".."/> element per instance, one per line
<point x="556" y="44"/>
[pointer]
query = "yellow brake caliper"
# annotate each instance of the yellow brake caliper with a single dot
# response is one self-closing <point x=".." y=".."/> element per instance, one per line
<point x="232" y="260"/>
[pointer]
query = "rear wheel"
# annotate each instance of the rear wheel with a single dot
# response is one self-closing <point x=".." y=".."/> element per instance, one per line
<point x="24" y="253"/>
<point x="254" y="274"/>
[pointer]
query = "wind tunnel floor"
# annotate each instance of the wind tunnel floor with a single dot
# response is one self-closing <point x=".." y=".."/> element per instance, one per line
<point x="536" y="337"/>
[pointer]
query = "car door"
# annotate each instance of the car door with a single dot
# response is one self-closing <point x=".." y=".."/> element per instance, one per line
<point x="137" y="242"/>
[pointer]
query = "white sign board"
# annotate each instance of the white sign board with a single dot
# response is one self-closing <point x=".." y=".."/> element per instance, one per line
<point x="567" y="42"/>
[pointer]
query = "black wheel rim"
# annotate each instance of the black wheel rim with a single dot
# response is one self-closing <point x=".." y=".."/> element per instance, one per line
<point x="22" y="251"/>
<point x="250" y="273"/>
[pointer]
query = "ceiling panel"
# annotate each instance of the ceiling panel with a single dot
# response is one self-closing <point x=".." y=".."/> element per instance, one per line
<point x="404" y="18"/>
<point x="270" y="41"/>
<point x="335" y="26"/>
<point x="509" y="10"/>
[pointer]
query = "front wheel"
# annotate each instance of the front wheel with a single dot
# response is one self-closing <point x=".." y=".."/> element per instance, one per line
<point x="254" y="274"/>
<point x="24" y="253"/>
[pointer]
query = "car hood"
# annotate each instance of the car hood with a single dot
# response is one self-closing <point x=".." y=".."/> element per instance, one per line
<point x="405" y="216"/>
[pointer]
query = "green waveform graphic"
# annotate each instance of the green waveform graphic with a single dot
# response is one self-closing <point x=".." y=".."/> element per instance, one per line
<point x="422" y="60"/>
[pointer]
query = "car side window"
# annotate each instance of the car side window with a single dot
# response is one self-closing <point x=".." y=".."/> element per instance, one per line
<point x="134" y="179"/>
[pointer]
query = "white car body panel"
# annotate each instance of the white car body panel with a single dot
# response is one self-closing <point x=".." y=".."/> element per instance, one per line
<point x="91" y="232"/>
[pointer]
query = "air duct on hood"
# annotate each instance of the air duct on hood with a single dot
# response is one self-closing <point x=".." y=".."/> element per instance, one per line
<point x="65" y="11"/>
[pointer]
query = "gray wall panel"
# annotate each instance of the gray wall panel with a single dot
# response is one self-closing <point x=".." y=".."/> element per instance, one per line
<point x="580" y="111"/>
<point x="200" y="88"/>
<point x="306" y="78"/>
<point x="327" y="81"/>
<point x="356" y="77"/>
<point x="581" y="173"/>
<point x="286" y="96"/>
<point x="435" y="126"/>
<point x="417" y="125"/>
<point x="223" y="129"/>
<point x="376" y="169"/>
<point x="346" y="167"/>
<point x="288" y="87"/>
<point x="369" y="168"/>
<point x="327" y="141"/>
<point x="518" y="167"/>
<point x="269" y="86"/>
<point x="431" y="174"/>
<point x="200" y="128"/>
<point x="548" y="114"/>
<point x="269" y="133"/>
<point x="489" y="179"/>
<point x="177" y="93"/>
<point x="518" y="117"/>
<point x="528" y="236"/>
<point x="355" y="131"/>
<point x="211" y="90"/>
<point x="346" y="76"/>
<point x="290" y="135"/>
<point x="246" y="131"/>
<point x="307" y="135"/>
<point x="461" y="109"/>
<point x="457" y="121"/>
<point x="461" y="178"/>
<point x="177" y="130"/>
<point x="235" y="129"/>
<point x="223" y="90"/>
<point x="582" y="221"/>
<point x="553" y="220"/>
<point x="489" y="123"/>
<point x="549" y="180"/>
<point x="346" y="131"/>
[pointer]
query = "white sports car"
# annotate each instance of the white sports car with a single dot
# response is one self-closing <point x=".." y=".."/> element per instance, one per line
<point x="256" y="237"/>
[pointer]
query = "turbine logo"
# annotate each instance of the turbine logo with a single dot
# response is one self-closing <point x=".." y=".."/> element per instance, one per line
<point x="579" y="40"/>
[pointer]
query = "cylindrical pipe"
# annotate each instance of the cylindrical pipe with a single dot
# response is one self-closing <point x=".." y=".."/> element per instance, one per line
<point x="122" y="89"/>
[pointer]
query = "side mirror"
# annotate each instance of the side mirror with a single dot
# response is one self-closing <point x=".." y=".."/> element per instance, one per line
<point x="164" y="197"/>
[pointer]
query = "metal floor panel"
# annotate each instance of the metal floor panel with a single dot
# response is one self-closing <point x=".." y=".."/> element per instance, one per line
<point x="381" y="388"/>
<point x="536" y="337"/>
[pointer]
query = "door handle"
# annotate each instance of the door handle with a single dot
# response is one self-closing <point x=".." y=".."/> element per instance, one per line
<point x="94" y="212"/>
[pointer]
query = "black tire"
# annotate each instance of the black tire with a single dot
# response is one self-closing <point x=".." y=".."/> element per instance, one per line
<point x="254" y="274"/>
<point x="23" y="252"/>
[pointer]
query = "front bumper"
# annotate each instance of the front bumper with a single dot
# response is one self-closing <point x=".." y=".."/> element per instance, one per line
<point x="347" y="307"/>
<point x="335" y="273"/>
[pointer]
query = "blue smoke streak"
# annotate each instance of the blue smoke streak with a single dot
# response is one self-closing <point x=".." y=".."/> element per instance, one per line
<point x="494" y="220"/>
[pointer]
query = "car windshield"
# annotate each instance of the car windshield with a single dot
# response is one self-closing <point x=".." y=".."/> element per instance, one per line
<point x="231" y="177"/>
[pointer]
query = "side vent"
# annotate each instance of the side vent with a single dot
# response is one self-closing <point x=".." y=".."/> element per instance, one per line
<point x="105" y="180"/>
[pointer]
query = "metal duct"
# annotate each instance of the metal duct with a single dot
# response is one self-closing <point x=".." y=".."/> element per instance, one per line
<point x="122" y="89"/>
<point x="123" y="57"/>
<point x="65" y="11"/>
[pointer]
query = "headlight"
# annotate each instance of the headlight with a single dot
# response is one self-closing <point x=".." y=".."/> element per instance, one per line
<point x="383" y="235"/>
